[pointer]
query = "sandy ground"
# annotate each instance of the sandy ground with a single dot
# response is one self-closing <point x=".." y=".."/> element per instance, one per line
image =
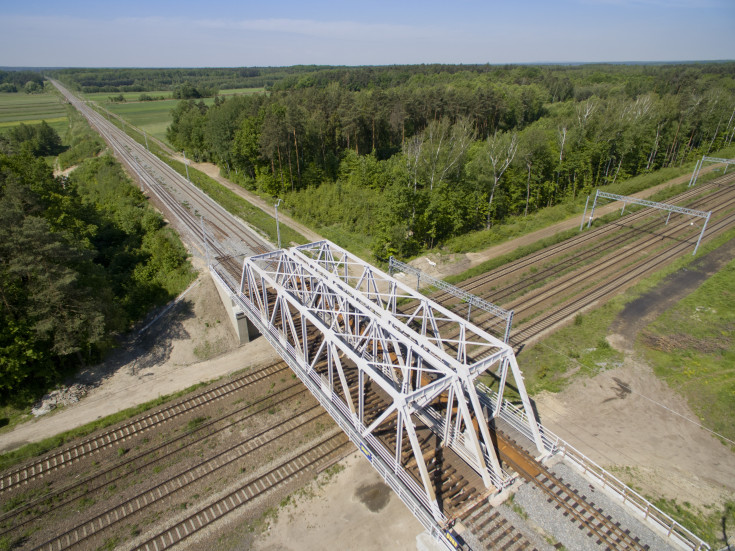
<point x="627" y="417"/>
<point x="355" y="510"/>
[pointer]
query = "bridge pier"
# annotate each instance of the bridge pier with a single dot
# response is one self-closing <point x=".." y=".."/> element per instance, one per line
<point x="244" y="328"/>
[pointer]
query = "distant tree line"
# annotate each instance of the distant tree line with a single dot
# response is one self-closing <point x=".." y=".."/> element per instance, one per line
<point x="17" y="81"/>
<point x="411" y="156"/>
<point x="147" y="80"/>
<point x="81" y="259"/>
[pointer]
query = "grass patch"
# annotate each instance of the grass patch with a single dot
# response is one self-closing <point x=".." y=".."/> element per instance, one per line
<point x="195" y="423"/>
<point x="709" y="524"/>
<point x="691" y="347"/>
<point x="153" y="117"/>
<point x="39" y="448"/>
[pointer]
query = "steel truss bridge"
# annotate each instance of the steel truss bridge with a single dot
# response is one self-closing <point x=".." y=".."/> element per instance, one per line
<point x="351" y="333"/>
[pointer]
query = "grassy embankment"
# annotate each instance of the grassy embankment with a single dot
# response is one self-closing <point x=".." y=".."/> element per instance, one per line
<point x="31" y="109"/>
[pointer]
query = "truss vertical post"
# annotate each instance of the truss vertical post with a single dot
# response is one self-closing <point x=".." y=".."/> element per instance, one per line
<point x="667" y="219"/>
<point x="508" y="324"/>
<point x="592" y="212"/>
<point x="702" y="232"/>
<point x="587" y="202"/>
<point x="501" y="388"/>
<point x="532" y="423"/>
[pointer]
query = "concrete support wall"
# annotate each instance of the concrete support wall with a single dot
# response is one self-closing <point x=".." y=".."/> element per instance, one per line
<point x="244" y="328"/>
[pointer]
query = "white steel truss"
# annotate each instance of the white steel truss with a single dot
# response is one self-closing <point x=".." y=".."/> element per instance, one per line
<point x="367" y="334"/>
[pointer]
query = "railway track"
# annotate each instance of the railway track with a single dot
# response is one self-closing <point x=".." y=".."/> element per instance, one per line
<point x="538" y="326"/>
<point x="553" y="290"/>
<point x="81" y="450"/>
<point x="180" y="199"/>
<point x="153" y="496"/>
<point x="33" y="509"/>
<point x="605" y="532"/>
<point x="585" y="239"/>
<point x="490" y="529"/>
<point x="321" y="453"/>
<point x="616" y="235"/>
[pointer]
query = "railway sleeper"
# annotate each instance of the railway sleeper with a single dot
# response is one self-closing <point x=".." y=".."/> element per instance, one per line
<point x="498" y="525"/>
<point x="492" y="517"/>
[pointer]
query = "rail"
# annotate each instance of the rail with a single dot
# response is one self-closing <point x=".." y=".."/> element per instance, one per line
<point x="555" y="445"/>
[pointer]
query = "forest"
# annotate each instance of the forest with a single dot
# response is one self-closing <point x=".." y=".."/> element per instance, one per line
<point x="412" y="156"/>
<point x="81" y="258"/>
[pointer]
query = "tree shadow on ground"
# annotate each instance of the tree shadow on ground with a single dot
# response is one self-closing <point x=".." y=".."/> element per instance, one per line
<point x="141" y="350"/>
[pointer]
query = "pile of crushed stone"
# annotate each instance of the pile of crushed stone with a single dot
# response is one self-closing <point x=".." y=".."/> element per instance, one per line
<point x="60" y="397"/>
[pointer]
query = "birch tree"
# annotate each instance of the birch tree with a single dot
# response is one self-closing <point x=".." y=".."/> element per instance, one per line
<point x="501" y="149"/>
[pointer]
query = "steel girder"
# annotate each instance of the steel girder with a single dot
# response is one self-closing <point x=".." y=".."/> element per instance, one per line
<point x="364" y="331"/>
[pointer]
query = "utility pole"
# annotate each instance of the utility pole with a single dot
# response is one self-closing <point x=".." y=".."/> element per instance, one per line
<point x="186" y="165"/>
<point x="278" y="227"/>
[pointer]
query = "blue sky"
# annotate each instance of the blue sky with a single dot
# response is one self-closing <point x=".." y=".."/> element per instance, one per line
<point x="228" y="33"/>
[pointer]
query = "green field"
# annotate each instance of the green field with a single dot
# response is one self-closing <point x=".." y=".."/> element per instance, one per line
<point x="32" y="109"/>
<point x="104" y="97"/>
<point x="153" y="117"/>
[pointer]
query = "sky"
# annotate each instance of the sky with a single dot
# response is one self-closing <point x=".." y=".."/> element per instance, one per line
<point x="242" y="33"/>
